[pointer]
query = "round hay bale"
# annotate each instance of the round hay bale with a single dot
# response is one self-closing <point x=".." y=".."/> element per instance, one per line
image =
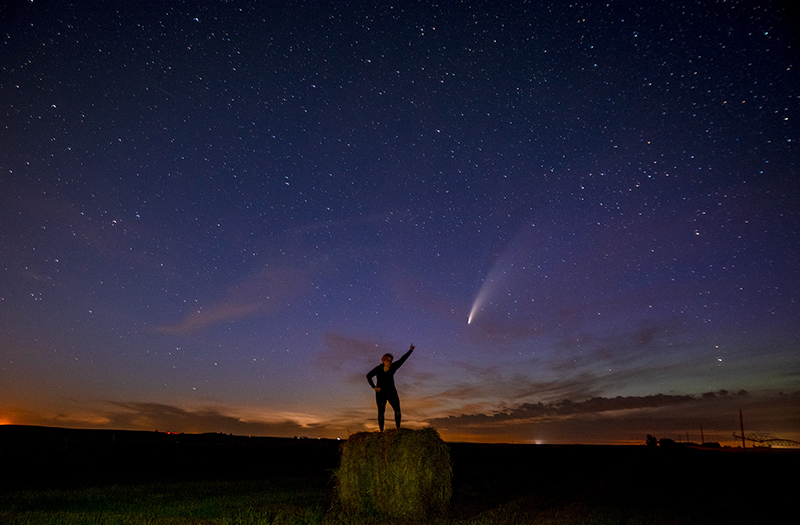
<point x="401" y="473"/>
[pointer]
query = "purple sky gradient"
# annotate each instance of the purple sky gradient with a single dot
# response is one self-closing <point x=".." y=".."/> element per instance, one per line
<point x="217" y="218"/>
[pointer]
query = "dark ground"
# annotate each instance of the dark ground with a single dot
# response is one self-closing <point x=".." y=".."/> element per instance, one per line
<point x="646" y="481"/>
<point x="58" y="456"/>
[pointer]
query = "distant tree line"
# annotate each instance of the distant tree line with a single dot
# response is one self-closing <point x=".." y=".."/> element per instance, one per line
<point x="652" y="442"/>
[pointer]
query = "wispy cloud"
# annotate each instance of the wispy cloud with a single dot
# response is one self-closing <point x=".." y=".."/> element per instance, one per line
<point x="338" y="349"/>
<point x="629" y="418"/>
<point x="264" y="291"/>
<point x="157" y="416"/>
<point x="612" y="420"/>
<point x="527" y="411"/>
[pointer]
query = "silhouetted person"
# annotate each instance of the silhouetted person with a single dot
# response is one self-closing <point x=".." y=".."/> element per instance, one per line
<point x="385" y="389"/>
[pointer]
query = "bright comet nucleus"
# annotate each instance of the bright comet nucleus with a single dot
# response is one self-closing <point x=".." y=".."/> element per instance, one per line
<point x="479" y="300"/>
<point x="475" y="305"/>
<point x="502" y="271"/>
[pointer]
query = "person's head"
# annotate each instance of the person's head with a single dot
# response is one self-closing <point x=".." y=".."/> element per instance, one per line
<point x="387" y="359"/>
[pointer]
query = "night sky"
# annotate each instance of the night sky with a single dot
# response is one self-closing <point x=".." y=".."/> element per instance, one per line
<point x="217" y="216"/>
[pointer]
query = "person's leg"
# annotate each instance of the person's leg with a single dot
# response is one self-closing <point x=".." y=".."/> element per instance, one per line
<point x="381" y="400"/>
<point x="394" y="400"/>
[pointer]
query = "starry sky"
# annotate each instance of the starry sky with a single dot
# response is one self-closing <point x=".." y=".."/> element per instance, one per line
<point x="217" y="216"/>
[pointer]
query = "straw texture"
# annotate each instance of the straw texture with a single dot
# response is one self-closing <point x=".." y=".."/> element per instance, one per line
<point x="401" y="473"/>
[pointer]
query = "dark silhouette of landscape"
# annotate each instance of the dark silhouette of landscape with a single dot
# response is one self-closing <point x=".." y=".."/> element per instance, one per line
<point x="716" y="484"/>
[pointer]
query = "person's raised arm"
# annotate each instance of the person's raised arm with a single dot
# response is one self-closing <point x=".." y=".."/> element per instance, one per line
<point x="402" y="360"/>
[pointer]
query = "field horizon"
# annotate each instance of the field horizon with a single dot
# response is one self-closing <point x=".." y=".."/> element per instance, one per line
<point x="13" y="432"/>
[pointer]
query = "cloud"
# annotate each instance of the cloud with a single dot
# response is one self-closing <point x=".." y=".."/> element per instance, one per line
<point x="582" y="385"/>
<point x="611" y="420"/>
<point x="527" y="411"/>
<point x="157" y="416"/>
<point x="264" y="291"/>
<point x="338" y="348"/>
<point x="148" y="416"/>
<point x="15" y="415"/>
<point x="628" y="419"/>
<point x="280" y="284"/>
<point x="349" y="357"/>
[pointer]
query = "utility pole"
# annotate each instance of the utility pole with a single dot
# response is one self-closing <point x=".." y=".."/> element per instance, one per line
<point x="741" y="427"/>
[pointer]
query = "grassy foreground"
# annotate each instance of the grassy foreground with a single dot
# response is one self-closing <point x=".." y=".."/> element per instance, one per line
<point x="276" y="502"/>
<point x="311" y="500"/>
<point x="230" y="480"/>
<point x="183" y="502"/>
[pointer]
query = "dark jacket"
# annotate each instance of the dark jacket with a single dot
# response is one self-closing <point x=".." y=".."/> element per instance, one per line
<point x="385" y="379"/>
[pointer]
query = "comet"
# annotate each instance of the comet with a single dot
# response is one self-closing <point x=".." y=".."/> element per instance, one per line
<point x="505" y="270"/>
<point x="486" y="290"/>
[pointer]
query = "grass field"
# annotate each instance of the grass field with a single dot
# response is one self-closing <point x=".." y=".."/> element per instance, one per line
<point x="230" y="481"/>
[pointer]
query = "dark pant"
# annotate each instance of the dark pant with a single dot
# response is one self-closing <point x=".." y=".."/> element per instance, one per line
<point x="391" y="396"/>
